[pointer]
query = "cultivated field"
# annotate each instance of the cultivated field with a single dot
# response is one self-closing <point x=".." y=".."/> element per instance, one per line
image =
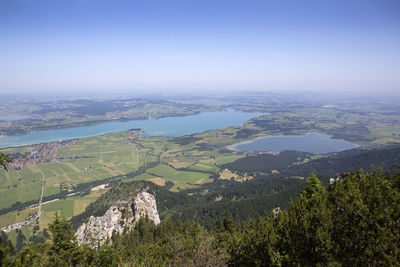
<point x="88" y="160"/>
<point x="97" y="159"/>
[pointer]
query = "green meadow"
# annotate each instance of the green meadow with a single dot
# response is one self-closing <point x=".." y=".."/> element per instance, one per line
<point x="101" y="157"/>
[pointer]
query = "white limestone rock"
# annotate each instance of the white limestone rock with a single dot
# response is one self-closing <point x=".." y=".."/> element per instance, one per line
<point x="145" y="204"/>
<point x="117" y="218"/>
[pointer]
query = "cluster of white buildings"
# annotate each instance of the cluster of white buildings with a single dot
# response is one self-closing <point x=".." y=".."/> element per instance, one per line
<point x="19" y="225"/>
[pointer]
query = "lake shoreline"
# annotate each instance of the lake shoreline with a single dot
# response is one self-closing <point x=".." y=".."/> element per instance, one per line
<point x="321" y="137"/>
<point x="173" y="126"/>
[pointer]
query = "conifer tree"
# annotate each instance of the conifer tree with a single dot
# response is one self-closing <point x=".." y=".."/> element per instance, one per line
<point x="20" y="241"/>
<point x="305" y="230"/>
<point x="4" y="160"/>
<point x="64" y="248"/>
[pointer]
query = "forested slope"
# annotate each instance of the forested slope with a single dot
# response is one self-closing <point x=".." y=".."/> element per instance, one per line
<point x="293" y="163"/>
<point x="255" y="197"/>
<point x="353" y="222"/>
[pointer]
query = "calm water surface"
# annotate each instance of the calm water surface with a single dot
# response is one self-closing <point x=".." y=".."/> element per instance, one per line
<point x="170" y="126"/>
<point x="14" y="118"/>
<point x="310" y="142"/>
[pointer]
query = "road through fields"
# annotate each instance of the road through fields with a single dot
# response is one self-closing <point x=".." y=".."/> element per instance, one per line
<point x="41" y="194"/>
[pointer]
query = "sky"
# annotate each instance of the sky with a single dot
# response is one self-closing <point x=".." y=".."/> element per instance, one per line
<point x="148" y="45"/>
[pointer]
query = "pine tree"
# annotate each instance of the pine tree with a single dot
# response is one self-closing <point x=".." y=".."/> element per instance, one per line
<point x="366" y="218"/>
<point x="308" y="223"/>
<point x="4" y="160"/>
<point x="64" y="248"/>
<point x="20" y="241"/>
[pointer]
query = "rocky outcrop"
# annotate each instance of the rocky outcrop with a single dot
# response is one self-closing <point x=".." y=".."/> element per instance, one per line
<point x="98" y="229"/>
<point x="118" y="217"/>
<point x="145" y="204"/>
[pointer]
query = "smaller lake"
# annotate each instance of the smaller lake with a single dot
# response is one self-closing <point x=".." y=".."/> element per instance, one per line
<point x="310" y="142"/>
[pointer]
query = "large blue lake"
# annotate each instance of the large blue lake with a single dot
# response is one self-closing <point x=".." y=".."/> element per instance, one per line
<point x="310" y="142"/>
<point x="169" y="126"/>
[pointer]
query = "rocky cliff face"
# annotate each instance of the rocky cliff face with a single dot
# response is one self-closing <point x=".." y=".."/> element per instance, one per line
<point x="145" y="204"/>
<point x="125" y="215"/>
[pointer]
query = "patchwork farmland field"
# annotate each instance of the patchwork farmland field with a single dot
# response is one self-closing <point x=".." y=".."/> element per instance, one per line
<point x="181" y="179"/>
<point x="185" y="164"/>
<point x="89" y="160"/>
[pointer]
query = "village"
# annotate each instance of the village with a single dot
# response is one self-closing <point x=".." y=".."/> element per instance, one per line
<point x="46" y="152"/>
<point x="19" y="225"/>
<point x="133" y="134"/>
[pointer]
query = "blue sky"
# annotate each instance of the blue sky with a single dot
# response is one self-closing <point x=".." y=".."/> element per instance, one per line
<point x="106" y="45"/>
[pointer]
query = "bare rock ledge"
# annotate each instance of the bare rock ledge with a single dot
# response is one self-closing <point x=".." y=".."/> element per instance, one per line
<point x="117" y="218"/>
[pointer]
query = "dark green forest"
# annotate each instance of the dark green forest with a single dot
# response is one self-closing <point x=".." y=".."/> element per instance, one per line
<point x="352" y="222"/>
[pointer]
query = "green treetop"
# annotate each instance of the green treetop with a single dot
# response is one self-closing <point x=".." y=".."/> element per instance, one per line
<point x="4" y="159"/>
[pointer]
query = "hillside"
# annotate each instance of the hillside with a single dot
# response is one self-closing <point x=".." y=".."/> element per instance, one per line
<point x="250" y="199"/>
<point x="342" y="224"/>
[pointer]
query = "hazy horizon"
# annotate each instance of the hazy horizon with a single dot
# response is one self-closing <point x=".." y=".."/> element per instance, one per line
<point x="144" y="47"/>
